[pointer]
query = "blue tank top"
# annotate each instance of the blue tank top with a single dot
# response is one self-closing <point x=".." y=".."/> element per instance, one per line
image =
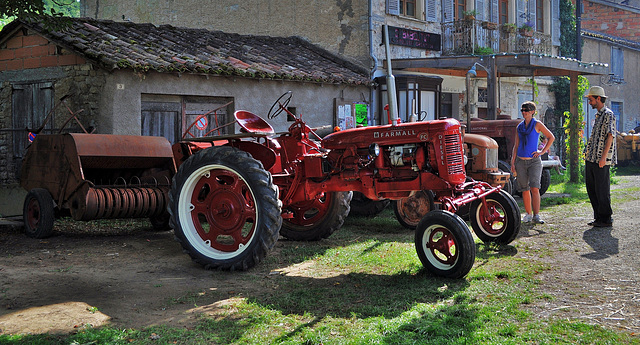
<point x="529" y="138"/>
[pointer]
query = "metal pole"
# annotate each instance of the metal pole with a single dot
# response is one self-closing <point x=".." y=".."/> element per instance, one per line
<point x="468" y="85"/>
<point x="391" y="81"/>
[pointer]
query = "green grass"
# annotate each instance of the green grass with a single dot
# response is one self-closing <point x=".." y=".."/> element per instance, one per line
<point x="365" y="285"/>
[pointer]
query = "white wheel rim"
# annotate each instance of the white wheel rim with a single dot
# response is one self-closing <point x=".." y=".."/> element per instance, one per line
<point x="185" y="209"/>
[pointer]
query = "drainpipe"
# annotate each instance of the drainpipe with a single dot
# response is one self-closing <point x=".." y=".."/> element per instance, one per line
<point x="578" y="30"/>
<point x="391" y="81"/>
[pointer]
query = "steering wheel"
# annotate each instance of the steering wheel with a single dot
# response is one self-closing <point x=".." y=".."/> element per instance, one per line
<point x="278" y="107"/>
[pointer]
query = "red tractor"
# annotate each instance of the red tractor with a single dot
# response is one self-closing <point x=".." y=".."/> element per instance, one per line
<point x="229" y="197"/>
<point x="233" y="195"/>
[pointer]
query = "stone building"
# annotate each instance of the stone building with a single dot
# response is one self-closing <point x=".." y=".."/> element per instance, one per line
<point x="141" y="79"/>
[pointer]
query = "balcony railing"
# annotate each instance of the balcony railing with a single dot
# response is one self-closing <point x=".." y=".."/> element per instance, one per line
<point x="476" y="37"/>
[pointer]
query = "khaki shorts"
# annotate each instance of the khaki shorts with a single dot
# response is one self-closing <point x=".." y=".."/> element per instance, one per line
<point x="529" y="173"/>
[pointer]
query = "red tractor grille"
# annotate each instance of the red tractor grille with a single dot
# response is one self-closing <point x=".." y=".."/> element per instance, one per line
<point x="454" y="159"/>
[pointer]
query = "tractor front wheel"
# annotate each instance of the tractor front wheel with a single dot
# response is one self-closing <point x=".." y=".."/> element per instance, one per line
<point x="224" y="209"/>
<point x="38" y="213"/>
<point x="499" y="222"/>
<point x="444" y="244"/>
<point x="316" y="219"/>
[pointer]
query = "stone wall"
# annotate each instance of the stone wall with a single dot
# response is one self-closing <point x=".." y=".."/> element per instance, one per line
<point x="338" y="26"/>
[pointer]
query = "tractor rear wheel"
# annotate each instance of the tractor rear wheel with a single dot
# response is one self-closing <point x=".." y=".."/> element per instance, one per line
<point x="38" y="213"/>
<point x="409" y="211"/>
<point x="445" y="245"/>
<point x="316" y="219"/>
<point x="499" y="222"/>
<point x="224" y="209"/>
<point x="545" y="181"/>
<point x="363" y="206"/>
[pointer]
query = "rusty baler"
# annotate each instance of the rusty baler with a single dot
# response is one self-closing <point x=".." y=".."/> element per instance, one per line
<point x="95" y="176"/>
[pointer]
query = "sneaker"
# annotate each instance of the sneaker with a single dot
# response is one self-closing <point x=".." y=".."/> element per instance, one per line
<point x="527" y="218"/>
<point x="536" y="219"/>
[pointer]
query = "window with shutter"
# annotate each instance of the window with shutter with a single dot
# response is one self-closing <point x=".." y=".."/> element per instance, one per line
<point x="617" y="64"/>
<point x="540" y="15"/>
<point x="503" y="11"/>
<point x="393" y="7"/>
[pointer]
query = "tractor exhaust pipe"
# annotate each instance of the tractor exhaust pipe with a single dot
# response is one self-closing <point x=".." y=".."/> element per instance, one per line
<point x="391" y="81"/>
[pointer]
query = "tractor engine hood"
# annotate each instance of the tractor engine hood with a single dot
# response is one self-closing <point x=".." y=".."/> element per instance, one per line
<point x="405" y="133"/>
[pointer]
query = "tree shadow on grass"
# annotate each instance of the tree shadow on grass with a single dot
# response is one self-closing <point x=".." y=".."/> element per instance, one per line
<point x="359" y="295"/>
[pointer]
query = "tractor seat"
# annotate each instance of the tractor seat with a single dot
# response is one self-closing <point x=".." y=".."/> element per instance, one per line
<point x="252" y="123"/>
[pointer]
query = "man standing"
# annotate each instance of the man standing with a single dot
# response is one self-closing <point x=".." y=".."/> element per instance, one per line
<point x="600" y="155"/>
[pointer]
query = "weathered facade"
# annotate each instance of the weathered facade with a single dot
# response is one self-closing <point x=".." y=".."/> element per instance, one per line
<point x="620" y="86"/>
<point x="354" y="29"/>
<point x="139" y="79"/>
<point x="611" y="33"/>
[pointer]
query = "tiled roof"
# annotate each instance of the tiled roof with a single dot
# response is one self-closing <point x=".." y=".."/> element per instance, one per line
<point x="612" y="39"/>
<point x="165" y="48"/>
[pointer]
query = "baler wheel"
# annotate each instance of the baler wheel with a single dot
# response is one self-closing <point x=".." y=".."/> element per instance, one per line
<point x="161" y="222"/>
<point x="499" y="222"/>
<point x="224" y="209"/>
<point x="38" y="213"/>
<point x="445" y="245"/>
<point x="317" y="219"/>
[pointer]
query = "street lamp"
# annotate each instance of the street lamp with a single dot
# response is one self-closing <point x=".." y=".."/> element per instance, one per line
<point x="471" y="73"/>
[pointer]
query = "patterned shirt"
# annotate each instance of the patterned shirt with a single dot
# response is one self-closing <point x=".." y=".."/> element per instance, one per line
<point x="604" y="124"/>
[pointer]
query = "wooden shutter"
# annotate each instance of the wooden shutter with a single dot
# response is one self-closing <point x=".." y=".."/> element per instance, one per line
<point x="480" y="10"/>
<point x="521" y="13"/>
<point x="493" y="11"/>
<point x="555" y="22"/>
<point x="30" y="104"/>
<point x="431" y="11"/>
<point x="161" y="119"/>
<point x="447" y="11"/>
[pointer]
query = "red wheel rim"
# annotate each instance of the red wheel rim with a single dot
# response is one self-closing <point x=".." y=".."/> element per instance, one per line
<point x="493" y="218"/>
<point x="33" y="213"/>
<point x="224" y="211"/>
<point x="442" y="245"/>
<point x="308" y="213"/>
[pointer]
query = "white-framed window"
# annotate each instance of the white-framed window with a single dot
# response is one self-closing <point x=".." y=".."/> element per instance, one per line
<point x="408" y="8"/>
<point x="417" y="9"/>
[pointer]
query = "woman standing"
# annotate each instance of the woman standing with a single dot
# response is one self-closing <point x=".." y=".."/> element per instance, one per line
<point x="526" y="164"/>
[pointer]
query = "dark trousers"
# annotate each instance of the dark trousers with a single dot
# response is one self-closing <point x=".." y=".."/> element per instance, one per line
<point x="598" y="188"/>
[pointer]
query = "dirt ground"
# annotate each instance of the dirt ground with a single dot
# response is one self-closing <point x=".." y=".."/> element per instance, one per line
<point x="130" y="276"/>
